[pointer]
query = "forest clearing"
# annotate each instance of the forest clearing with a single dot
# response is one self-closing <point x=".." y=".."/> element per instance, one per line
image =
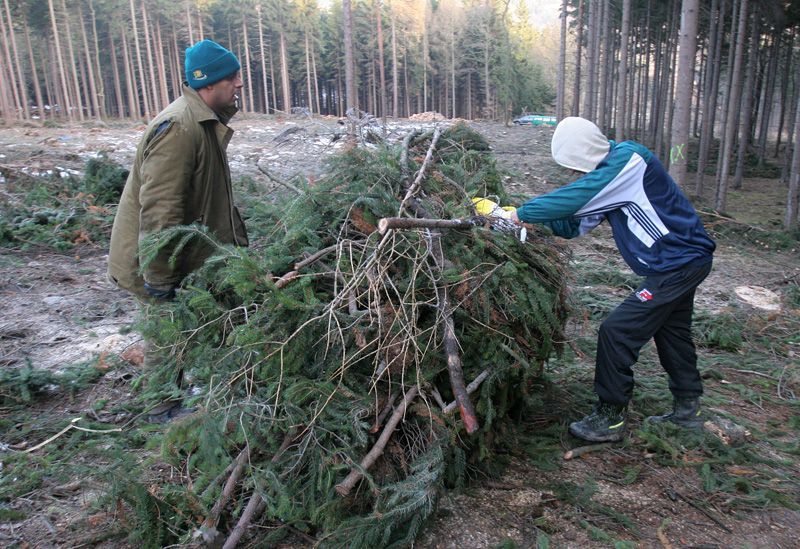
<point x="289" y="273"/>
<point x="59" y="311"/>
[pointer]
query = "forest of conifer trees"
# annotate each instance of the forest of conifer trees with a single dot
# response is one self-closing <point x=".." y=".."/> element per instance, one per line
<point x="709" y="85"/>
<point x="85" y="59"/>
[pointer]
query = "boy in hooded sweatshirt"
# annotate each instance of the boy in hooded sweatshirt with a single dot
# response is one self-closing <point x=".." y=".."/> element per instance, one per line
<point x="661" y="238"/>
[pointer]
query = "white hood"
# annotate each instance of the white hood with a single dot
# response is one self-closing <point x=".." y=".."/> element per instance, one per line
<point x="578" y="144"/>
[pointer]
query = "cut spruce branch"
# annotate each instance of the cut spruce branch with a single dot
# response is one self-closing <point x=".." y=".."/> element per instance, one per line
<point x="344" y="487"/>
<point x="255" y="506"/>
<point x="589" y="448"/>
<point x="227" y="491"/>
<point x="414" y="188"/>
<point x="279" y="181"/>
<point x="471" y="388"/>
<point x="404" y="223"/>
<point x="451" y="347"/>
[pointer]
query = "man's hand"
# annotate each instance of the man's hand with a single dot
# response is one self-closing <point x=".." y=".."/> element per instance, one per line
<point x="488" y="208"/>
<point x="160" y="293"/>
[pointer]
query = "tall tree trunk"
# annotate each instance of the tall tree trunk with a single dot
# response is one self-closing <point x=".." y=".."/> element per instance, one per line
<point x="140" y="64"/>
<point x="37" y="88"/>
<point x="263" y="58"/>
<point x="118" y="98"/>
<point x="395" y="80"/>
<point x="426" y="58"/>
<point x="23" y="89"/>
<point x="453" y="70"/>
<point x="746" y="112"/>
<point x="592" y="27"/>
<point x="314" y="75"/>
<point x="133" y="98"/>
<point x="62" y="74"/>
<point x="790" y="220"/>
<point x="73" y="63"/>
<point x="162" y="65"/>
<point x="735" y="6"/>
<point x="787" y="76"/>
<point x="308" y="74"/>
<point x="710" y="97"/>
<point x="623" y="70"/>
<point x="721" y="200"/>
<point x="153" y="82"/>
<point x="349" y="62"/>
<point x="8" y="111"/>
<point x="561" y="78"/>
<point x="272" y="79"/>
<point x="89" y="66"/>
<point x="486" y="80"/>
<point x="683" y="93"/>
<point x="287" y="94"/>
<point x="189" y="22"/>
<point x="248" y="73"/>
<point x="381" y="64"/>
<point x="98" y="67"/>
<point x="576" y="86"/>
<point x="644" y="68"/>
<point x="604" y="56"/>
<point x="768" y="95"/>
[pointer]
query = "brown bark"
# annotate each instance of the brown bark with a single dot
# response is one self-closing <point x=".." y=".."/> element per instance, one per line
<point x="37" y="88"/>
<point x="746" y="112"/>
<point x="89" y="66"/>
<point x="344" y="487"/>
<point x="156" y="103"/>
<point x="710" y="97"/>
<point x="721" y="199"/>
<point x="790" y="220"/>
<point x="349" y="63"/>
<point x="287" y="93"/>
<point x="118" y="98"/>
<point x="685" y="84"/>
<point x="576" y="86"/>
<point x="395" y="79"/>
<point x="562" y="63"/>
<point x="133" y="99"/>
<point x="404" y="223"/>
<point x="66" y="104"/>
<point x="381" y="64"/>
<point x="140" y="64"/>
<point x="23" y="91"/>
<point x="623" y="71"/>
<point x="78" y="103"/>
<point x="263" y="59"/>
<point x="247" y="72"/>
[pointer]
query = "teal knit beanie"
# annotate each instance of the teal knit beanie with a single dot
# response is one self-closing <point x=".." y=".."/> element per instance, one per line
<point x="207" y="62"/>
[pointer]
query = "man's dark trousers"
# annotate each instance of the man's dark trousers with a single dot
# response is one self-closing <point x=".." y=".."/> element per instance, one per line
<point x="661" y="308"/>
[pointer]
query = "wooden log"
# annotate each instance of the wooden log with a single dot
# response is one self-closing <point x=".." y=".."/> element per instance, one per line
<point x="403" y="223"/>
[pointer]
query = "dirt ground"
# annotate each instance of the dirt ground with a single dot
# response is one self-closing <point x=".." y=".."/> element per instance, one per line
<point x="58" y="309"/>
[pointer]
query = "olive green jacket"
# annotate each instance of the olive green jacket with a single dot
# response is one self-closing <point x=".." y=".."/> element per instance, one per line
<point x="180" y="176"/>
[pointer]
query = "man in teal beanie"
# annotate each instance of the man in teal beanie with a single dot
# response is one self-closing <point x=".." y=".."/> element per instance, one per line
<point x="180" y="176"/>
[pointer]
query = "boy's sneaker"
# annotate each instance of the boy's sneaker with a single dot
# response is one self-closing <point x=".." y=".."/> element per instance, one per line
<point x="606" y="423"/>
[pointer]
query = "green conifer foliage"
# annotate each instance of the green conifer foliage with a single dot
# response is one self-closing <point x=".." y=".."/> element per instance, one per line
<point x="299" y="372"/>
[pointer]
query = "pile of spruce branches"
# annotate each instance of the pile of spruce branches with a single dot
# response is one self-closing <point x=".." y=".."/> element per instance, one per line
<point x="346" y="370"/>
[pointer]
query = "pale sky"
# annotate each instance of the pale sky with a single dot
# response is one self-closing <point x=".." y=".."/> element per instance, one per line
<point x="544" y="13"/>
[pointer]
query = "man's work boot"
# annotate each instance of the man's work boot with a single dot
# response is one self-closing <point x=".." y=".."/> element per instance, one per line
<point x="606" y="423"/>
<point x="685" y="412"/>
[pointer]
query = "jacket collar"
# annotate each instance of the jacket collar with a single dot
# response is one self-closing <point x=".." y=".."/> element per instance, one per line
<point x="203" y="112"/>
